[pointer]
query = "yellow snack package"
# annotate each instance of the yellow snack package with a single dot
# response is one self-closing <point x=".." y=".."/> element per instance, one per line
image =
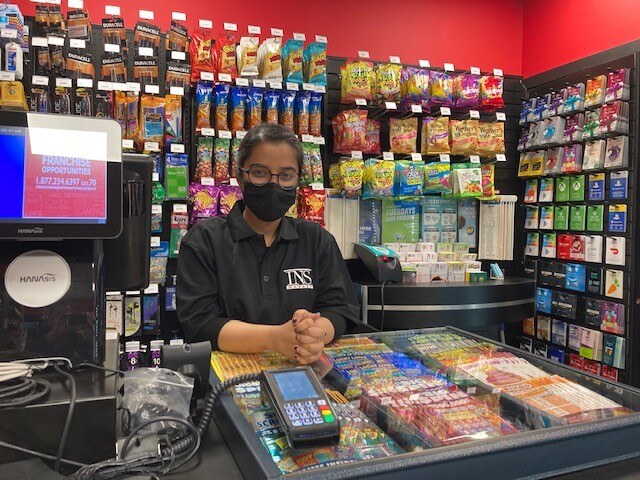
<point x="351" y="172"/>
<point x="464" y="137"/>
<point x="357" y="81"/>
<point x="403" y="134"/>
<point x="388" y="82"/>
<point x="435" y="135"/>
<point x="491" y="138"/>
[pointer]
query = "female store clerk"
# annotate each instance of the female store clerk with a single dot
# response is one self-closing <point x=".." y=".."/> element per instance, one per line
<point x="258" y="280"/>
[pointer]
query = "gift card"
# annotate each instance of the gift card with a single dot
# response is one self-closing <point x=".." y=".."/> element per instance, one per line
<point x="532" y="248"/>
<point x="618" y="185"/>
<point x="545" y="274"/>
<point x="615" y="251"/>
<point x="543" y="328"/>
<point x="595" y="218"/>
<point x="577" y="247"/>
<point x="531" y="191"/>
<point x="618" y="218"/>
<point x="529" y="326"/>
<point x="531" y="220"/>
<point x="574" y="337"/>
<point x="593" y="312"/>
<point x="561" y="217"/>
<point x="613" y="284"/>
<point x="563" y="251"/>
<point x="576" y="188"/>
<point x="558" y="332"/>
<point x="613" y="318"/>
<point x="594" y="280"/>
<point x="543" y="300"/>
<point x="546" y="218"/>
<point x="593" y="248"/>
<point x="577" y="216"/>
<point x="576" y="277"/>
<point x="548" y="245"/>
<point x="562" y="189"/>
<point x="546" y="190"/>
<point x="596" y="186"/>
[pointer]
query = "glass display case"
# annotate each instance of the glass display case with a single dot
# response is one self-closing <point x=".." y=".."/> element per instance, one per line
<point x="436" y="401"/>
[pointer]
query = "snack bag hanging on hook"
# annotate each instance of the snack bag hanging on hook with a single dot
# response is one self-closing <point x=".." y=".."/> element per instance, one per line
<point x="201" y="51"/>
<point x="225" y="51"/>
<point x="292" y="54"/>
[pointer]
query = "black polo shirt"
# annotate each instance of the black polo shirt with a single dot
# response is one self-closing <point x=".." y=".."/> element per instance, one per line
<point x="226" y="272"/>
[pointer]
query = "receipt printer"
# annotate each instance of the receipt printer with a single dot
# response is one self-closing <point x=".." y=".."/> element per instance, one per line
<point x="382" y="262"/>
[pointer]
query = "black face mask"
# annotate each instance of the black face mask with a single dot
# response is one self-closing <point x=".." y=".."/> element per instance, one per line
<point x="270" y="202"/>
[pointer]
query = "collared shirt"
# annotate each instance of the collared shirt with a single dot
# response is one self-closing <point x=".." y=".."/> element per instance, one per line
<point x="226" y="272"/>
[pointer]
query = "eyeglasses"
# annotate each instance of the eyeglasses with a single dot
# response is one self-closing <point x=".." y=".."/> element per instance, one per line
<point x="260" y="176"/>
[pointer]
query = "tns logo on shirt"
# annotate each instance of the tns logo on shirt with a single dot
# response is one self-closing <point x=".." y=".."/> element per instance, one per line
<point x="299" y="278"/>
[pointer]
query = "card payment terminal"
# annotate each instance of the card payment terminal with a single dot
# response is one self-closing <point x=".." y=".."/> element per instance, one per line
<point x="302" y="406"/>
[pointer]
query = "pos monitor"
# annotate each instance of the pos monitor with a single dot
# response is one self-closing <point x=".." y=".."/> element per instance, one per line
<point x="61" y="177"/>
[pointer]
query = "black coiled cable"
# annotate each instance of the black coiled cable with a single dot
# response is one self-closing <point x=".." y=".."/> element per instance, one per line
<point x="23" y="391"/>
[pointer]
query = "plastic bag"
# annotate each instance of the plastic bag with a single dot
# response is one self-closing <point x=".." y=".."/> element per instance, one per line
<point x="229" y="195"/>
<point x="254" y="106"/>
<point x="221" y="160"/>
<point x="351" y="172"/>
<point x="437" y="178"/>
<point x="306" y="177"/>
<point x="204" y="92"/>
<point x="491" y="92"/>
<point x="238" y="108"/>
<point x="349" y="131"/>
<point x="414" y="89"/>
<point x="408" y="178"/>
<point x="488" y="180"/>
<point x="204" y="201"/>
<point x="464" y="137"/>
<point x="388" y="78"/>
<point x="292" y="61"/>
<point x="315" y="63"/>
<point x="302" y="113"/>
<point x="158" y="263"/>
<point x="225" y="50"/>
<point x="248" y="57"/>
<point x="271" y="104"/>
<point x="315" y="115"/>
<point x="403" y="134"/>
<point x="378" y="178"/>
<point x="204" y="162"/>
<point x="490" y="138"/>
<point x="356" y="81"/>
<point x="222" y="107"/>
<point x="441" y="89"/>
<point x="467" y="180"/>
<point x="286" y="109"/>
<point x="270" y="59"/>
<point x="466" y="90"/>
<point x="435" y="135"/>
<point x="372" y="137"/>
<point x="200" y="51"/>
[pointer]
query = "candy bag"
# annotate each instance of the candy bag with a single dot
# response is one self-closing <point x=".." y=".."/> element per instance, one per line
<point x="225" y="51"/>
<point x="317" y="170"/>
<point x="351" y="171"/>
<point x="311" y="204"/>
<point x="222" y="107"/>
<point x="408" y="178"/>
<point x="372" y="137"/>
<point x="491" y="92"/>
<point x="441" y="89"/>
<point x="466" y="90"/>
<point x="435" y="135"/>
<point x="488" y="180"/>
<point x="248" y="57"/>
<point x="292" y="61"/>
<point x="173" y="119"/>
<point x="490" y="138"/>
<point x="229" y="195"/>
<point x="271" y="106"/>
<point x="204" y="92"/>
<point x="315" y="115"/>
<point x="377" y="180"/>
<point x="349" y="131"/>
<point x="437" y="178"/>
<point x="302" y="113"/>
<point x="356" y="81"/>
<point x="403" y="133"/>
<point x="466" y="180"/>
<point x="204" y="164"/>
<point x="238" y="108"/>
<point x="204" y="201"/>
<point x="388" y="80"/>
<point x="464" y="137"/>
<point x="201" y="53"/>
<point x="254" y="106"/>
<point x="235" y="149"/>
<point x="286" y="109"/>
<point x="315" y="63"/>
<point x="335" y="178"/>
<point x="270" y="59"/>
<point x="414" y="89"/>
<point x="221" y="160"/>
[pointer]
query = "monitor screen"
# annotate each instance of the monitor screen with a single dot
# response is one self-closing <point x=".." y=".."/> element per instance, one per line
<point x="62" y="178"/>
<point x="295" y="385"/>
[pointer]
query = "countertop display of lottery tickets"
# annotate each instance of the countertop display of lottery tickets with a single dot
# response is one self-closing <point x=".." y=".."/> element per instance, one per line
<point x="437" y="402"/>
<point x="579" y="178"/>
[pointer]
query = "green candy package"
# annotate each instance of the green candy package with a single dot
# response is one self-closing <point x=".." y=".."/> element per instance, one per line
<point x="235" y="150"/>
<point x="292" y="54"/>
<point x="317" y="171"/>
<point x="306" y="176"/>
<point x="466" y="180"/>
<point x="315" y="63"/>
<point x="204" y="163"/>
<point x="408" y="178"/>
<point x="437" y="178"/>
<point x="177" y="176"/>
<point x="221" y="160"/>
<point x="378" y="178"/>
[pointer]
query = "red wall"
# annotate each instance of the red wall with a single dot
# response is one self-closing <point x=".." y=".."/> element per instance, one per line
<point x="561" y="31"/>
<point x="467" y="33"/>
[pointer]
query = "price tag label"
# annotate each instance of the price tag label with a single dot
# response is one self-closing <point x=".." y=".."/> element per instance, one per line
<point x="151" y="146"/>
<point x="177" y="148"/>
<point x="361" y="101"/>
<point x="146" y="14"/>
<point x="474" y="158"/>
<point x="501" y="157"/>
<point x="363" y="54"/>
<point x="8" y="76"/>
<point x="8" y="33"/>
<point x="205" y="23"/>
<point x="105" y="86"/>
<point x="178" y="55"/>
<point x="207" y="181"/>
<point x="445" y="157"/>
<point x="321" y="39"/>
<point x="155" y="241"/>
<point x="387" y="156"/>
<point x="299" y="36"/>
<point x="394" y="59"/>
<point x="145" y="52"/>
<point x="155" y="176"/>
<point x="471" y="390"/>
<point x="39" y="42"/>
<point x="475" y="71"/>
<point x="63" y="82"/>
<point x="180" y="208"/>
<point x="111" y="48"/>
<point x="254" y="30"/>
<point x="75" y="4"/>
<point x="294" y="87"/>
<point x="85" y="82"/>
<point x="112" y="10"/>
<point x="208" y="132"/>
<point x="320" y="89"/>
<point x="259" y="83"/>
<point x="128" y="144"/>
<point x="152" y="289"/>
<point x="120" y="87"/>
<point x="207" y="76"/>
<point x="176" y="341"/>
<point x="277" y="32"/>
<point x="307" y="138"/>
<point x="391" y="105"/>
<point x="179" y="16"/>
<point x="474" y="114"/>
<point x="416" y="157"/>
<point x="308" y="87"/>
<point x="133" y="87"/>
<point x="416" y="108"/>
<point x="242" y="82"/>
<point x="424" y="63"/>
<point x="39" y="80"/>
<point x="317" y="186"/>
<point x="356" y="154"/>
<point x="448" y="67"/>
<point x="233" y="182"/>
<point x="57" y="41"/>
<point x="501" y="117"/>
<point x="319" y="140"/>
<point x="498" y="72"/>
<point x="276" y="85"/>
<point x="225" y="77"/>
<point x="157" y="209"/>
<point x="495" y="391"/>
<point x="240" y="134"/>
<point x="224" y="133"/>
<point x="176" y="91"/>
<point x="77" y="43"/>
<point x="230" y="27"/>
<point x="446" y="111"/>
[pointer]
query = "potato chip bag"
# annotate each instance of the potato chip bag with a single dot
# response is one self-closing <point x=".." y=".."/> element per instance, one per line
<point x="222" y="107"/>
<point x="356" y="81"/>
<point x="302" y="113"/>
<point x="377" y="178"/>
<point x="315" y="63"/>
<point x="388" y="80"/>
<point x="315" y="115"/>
<point x="435" y="135"/>
<point x="464" y="137"/>
<point x="488" y="180"/>
<point x="271" y="106"/>
<point x="351" y="171"/>
<point x="221" y="160"/>
<point x="254" y="106"/>
<point x="238" y="108"/>
<point x="204" y="92"/>
<point x="408" y="178"/>
<point x="311" y="204"/>
<point x="247" y="53"/>
<point x="201" y="52"/>
<point x="270" y="59"/>
<point x="225" y="54"/>
<point x="229" y="195"/>
<point x="292" y="61"/>
<point x="403" y="133"/>
<point x="441" y="89"/>
<point x="466" y="90"/>
<point x="372" y="137"/>
<point x="349" y="131"/>
<point x="286" y="109"/>
<point x="437" y="178"/>
<point x="490" y="138"/>
<point x="491" y="92"/>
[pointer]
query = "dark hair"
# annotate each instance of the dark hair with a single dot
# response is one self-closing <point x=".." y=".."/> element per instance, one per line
<point x="268" y="133"/>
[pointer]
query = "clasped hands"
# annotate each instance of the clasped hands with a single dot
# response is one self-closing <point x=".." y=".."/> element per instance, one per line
<point x="301" y="339"/>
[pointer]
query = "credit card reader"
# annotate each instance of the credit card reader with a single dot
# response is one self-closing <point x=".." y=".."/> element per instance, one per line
<point x="382" y="262"/>
<point x="302" y="406"/>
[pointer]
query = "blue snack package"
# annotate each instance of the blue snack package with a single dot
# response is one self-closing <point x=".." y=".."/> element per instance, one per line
<point x="408" y="178"/>
<point x="204" y="91"/>
<point x="222" y="107"/>
<point x="271" y="105"/>
<point x="437" y="178"/>
<point x="292" y="53"/>
<point x="315" y="63"/>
